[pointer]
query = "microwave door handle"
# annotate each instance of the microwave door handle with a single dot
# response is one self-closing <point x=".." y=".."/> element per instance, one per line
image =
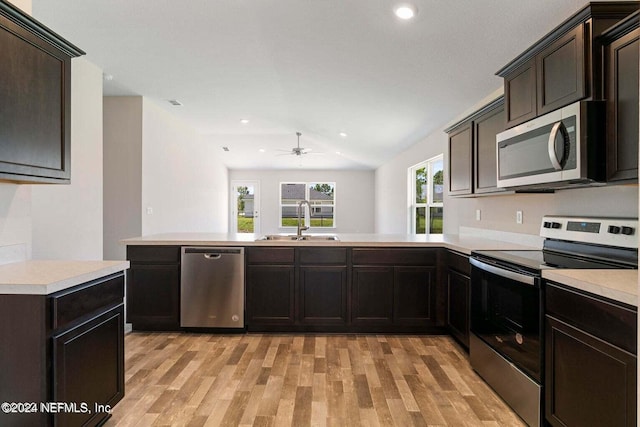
<point x="555" y="162"/>
<point x="507" y="274"/>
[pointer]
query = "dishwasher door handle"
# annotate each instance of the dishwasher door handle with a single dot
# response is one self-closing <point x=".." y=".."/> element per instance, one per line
<point x="212" y="256"/>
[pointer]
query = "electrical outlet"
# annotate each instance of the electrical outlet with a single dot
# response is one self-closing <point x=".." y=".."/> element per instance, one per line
<point x="478" y="215"/>
<point x="518" y="217"/>
<point x="149" y="210"/>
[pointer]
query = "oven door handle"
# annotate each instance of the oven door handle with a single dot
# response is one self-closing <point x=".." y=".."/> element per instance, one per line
<point x="518" y="277"/>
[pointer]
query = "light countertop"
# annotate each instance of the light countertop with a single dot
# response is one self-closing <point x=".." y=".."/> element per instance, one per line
<point x="618" y="285"/>
<point x="40" y="277"/>
<point x="463" y="244"/>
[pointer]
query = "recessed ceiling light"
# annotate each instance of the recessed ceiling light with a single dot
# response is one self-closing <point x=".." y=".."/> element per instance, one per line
<point x="262" y="150"/>
<point x="405" y="11"/>
<point x="175" y="103"/>
<point x="338" y="153"/>
<point x="244" y="121"/>
<point x="343" y="134"/>
<point x="225" y="148"/>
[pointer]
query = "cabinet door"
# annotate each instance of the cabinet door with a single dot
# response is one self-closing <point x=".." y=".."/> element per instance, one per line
<point x="323" y="295"/>
<point x="460" y="162"/>
<point x="561" y="72"/>
<point x="372" y="295"/>
<point x="589" y="382"/>
<point x="35" y="109"/>
<point x="458" y="288"/>
<point x="520" y="94"/>
<point x="486" y="127"/>
<point x="622" y="107"/>
<point x="270" y="295"/>
<point x="88" y="367"/>
<point x="153" y="296"/>
<point x="414" y="296"/>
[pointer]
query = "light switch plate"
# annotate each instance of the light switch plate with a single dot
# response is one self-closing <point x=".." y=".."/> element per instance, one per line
<point x="518" y="217"/>
<point x="478" y="216"/>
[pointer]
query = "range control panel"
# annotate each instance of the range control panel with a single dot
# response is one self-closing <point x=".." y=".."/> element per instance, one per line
<point x="621" y="232"/>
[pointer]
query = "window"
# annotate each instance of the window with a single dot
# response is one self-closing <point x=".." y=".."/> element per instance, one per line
<point x="426" y="196"/>
<point x="321" y="198"/>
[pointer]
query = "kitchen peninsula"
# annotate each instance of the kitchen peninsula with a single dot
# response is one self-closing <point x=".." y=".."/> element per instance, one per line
<point x="62" y="334"/>
<point x="370" y="275"/>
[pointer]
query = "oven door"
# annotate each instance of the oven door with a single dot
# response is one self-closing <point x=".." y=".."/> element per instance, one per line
<point x="506" y="314"/>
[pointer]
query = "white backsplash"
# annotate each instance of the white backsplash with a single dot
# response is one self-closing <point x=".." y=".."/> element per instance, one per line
<point x="502" y="236"/>
<point x="13" y="253"/>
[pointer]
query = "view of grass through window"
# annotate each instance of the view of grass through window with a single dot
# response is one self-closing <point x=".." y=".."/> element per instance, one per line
<point x="426" y="210"/>
<point x="321" y="198"/>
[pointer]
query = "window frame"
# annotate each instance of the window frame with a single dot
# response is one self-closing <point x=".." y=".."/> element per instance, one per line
<point x="412" y="205"/>
<point x="312" y="206"/>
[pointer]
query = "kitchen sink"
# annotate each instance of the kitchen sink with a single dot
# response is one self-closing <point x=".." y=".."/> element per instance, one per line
<point x="303" y="238"/>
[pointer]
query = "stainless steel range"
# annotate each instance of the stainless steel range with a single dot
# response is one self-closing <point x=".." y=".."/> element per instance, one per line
<point x="507" y="344"/>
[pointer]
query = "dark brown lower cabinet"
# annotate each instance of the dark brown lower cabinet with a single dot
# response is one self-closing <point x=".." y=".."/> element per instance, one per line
<point x="458" y="292"/>
<point x="338" y="289"/>
<point x="89" y="368"/>
<point x="270" y="295"/>
<point x="323" y="295"/>
<point x="590" y="361"/>
<point x="372" y="296"/>
<point x="66" y="348"/>
<point x="153" y="287"/>
<point x="458" y="287"/>
<point x="270" y="289"/>
<point x="394" y="289"/>
<point x="414" y="296"/>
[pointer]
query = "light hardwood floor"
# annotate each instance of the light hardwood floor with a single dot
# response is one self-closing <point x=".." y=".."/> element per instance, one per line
<point x="181" y="379"/>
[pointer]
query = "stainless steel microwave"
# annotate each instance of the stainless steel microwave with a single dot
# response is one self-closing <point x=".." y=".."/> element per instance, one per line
<point x="561" y="149"/>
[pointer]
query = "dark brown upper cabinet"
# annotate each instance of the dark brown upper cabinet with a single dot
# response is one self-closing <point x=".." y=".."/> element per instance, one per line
<point x="563" y="67"/>
<point x="461" y="159"/>
<point x="472" y="151"/>
<point x="35" y="96"/>
<point x="621" y="45"/>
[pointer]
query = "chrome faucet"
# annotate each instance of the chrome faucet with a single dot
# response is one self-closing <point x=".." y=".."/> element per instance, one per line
<point x="301" y="228"/>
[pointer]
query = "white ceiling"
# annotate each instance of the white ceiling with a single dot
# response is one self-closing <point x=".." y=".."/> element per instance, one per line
<point x="320" y="67"/>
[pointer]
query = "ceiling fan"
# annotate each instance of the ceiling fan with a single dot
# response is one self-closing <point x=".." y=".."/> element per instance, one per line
<point x="298" y="151"/>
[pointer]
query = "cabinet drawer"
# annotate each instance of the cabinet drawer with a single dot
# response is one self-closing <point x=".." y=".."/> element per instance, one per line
<point x="153" y="254"/>
<point x="459" y="262"/>
<point x="72" y="304"/>
<point x="270" y="255"/>
<point x="606" y="320"/>
<point x="316" y="256"/>
<point x="394" y="256"/>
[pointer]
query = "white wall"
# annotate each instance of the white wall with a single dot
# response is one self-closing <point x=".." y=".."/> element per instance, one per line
<point x="183" y="178"/>
<point x="497" y="212"/>
<point x="15" y="222"/>
<point x="354" y="196"/>
<point x="67" y="219"/>
<point x="122" y="164"/>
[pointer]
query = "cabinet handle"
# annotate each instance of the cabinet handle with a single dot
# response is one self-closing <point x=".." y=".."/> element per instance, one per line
<point x="558" y="164"/>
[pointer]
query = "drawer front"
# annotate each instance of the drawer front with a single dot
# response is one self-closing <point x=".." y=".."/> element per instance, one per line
<point x="606" y="320"/>
<point x="74" y="303"/>
<point x="270" y="255"/>
<point x="317" y="256"/>
<point x="459" y="262"/>
<point x="153" y="254"/>
<point x="394" y="256"/>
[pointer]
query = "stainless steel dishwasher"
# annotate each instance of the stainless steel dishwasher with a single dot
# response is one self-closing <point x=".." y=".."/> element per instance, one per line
<point x="212" y="287"/>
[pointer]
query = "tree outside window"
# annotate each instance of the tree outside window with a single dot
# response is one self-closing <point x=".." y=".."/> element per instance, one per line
<point x="321" y="198"/>
<point x="426" y="196"/>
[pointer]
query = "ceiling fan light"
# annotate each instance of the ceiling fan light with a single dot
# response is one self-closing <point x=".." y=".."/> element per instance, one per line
<point x="405" y="11"/>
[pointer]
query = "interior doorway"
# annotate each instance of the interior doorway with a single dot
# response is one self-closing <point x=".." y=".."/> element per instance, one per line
<point x="245" y="207"/>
